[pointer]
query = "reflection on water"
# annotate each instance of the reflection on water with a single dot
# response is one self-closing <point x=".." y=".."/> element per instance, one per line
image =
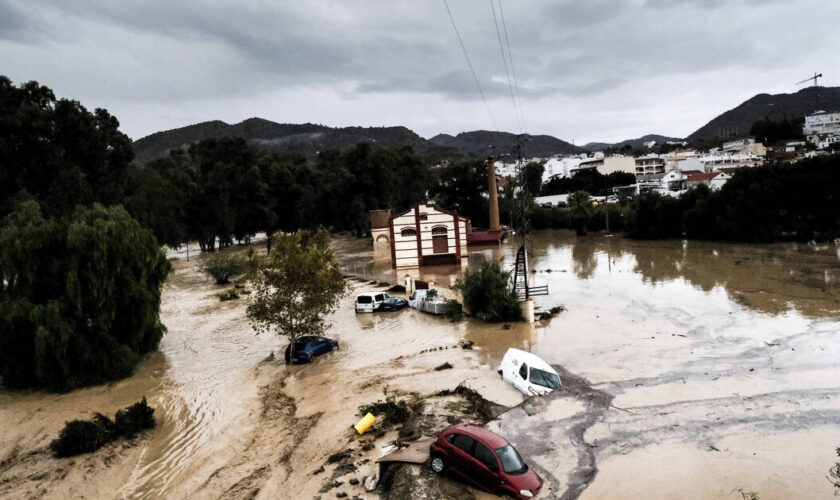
<point x="772" y="278"/>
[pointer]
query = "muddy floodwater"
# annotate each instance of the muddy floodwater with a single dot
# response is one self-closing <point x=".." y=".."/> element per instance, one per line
<point x="690" y="370"/>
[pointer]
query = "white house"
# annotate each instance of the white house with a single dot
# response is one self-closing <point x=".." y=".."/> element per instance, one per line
<point x="715" y="180"/>
<point x="560" y="167"/>
<point x="821" y="122"/>
<point x="428" y="235"/>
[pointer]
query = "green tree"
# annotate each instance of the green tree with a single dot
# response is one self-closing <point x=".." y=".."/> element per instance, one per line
<point x="79" y="296"/>
<point x="57" y="151"/>
<point x="462" y="186"/>
<point x="488" y="293"/>
<point x="296" y="286"/>
<point x="533" y="177"/>
<point x="580" y="205"/>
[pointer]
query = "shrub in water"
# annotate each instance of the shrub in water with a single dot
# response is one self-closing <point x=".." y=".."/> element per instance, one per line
<point x="224" y="267"/>
<point x="85" y="436"/>
<point x="79" y="436"/>
<point x="488" y="294"/>
<point x="137" y="417"/>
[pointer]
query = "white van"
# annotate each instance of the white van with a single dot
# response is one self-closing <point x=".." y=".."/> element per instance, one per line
<point x="528" y="373"/>
<point x="369" y="301"/>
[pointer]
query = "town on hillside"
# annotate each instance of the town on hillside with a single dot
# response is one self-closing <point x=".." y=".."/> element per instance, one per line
<point x="674" y="172"/>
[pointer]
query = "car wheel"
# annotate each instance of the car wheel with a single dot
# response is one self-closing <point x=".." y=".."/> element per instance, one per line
<point x="335" y="346"/>
<point x="438" y="464"/>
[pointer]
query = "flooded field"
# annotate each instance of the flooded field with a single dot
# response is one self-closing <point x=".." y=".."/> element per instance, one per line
<point x="690" y="370"/>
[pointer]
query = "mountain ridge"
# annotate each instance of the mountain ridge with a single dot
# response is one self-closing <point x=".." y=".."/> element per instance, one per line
<point x="310" y="138"/>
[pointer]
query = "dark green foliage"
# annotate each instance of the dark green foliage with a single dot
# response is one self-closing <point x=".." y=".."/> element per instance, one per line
<point x="227" y="190"/>
<point x="653" y="216"/>
<point x="79" y="436"/>
<point x="85" y="436"/>
<point x="834" y="473"/>
<point x="488" y="293"/>
<point x="462" y="187"/>
<point x="768" y="131"/>
<point x="589" y="180"/>
<point x="223" y="267"/>
<point x="533" y="177"/>
<point x="760" y="204"/>
<point x="580" y="211"/>
<point x="551" y="218"/>
<point x="58" y="152"/>
<point x="133" y="419"/>
<point x="79" y="296"/>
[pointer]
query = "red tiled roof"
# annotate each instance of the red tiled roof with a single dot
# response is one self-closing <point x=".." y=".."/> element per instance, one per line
<point x="702" y="176"/>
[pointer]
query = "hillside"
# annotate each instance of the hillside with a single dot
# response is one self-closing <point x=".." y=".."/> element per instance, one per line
<point x="485" y="143"/>
<point x="310" y="138"/>
<point x="737" y="121"/>
<point x="633" y="143"/>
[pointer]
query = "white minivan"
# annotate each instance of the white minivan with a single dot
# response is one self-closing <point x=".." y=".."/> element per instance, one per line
<point x="369" y="301"/>
<point x="528" y="373"/>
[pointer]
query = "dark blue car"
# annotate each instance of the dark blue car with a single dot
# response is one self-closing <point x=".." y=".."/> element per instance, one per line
<point x="308" y="347"/>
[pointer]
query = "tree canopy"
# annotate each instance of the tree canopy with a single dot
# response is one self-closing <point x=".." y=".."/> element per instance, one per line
<point x="79" y="296"/>
<point x="488" y="293"/>
<point x="296" y="286"/>
<point x="57" y="152"/>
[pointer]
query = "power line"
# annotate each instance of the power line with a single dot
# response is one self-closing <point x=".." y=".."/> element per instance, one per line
<point x="512" y="68"/>
<point x="504" y="60"/>
<point x="464" y="50"/>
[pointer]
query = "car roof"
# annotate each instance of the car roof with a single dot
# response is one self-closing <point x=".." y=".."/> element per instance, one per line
<point x="368" y="294"/>
<point x="531" y="360"/>
<point x="489" y="438"/>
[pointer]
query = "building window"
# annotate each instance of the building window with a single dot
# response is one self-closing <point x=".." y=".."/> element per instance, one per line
<point x="440" y="230"/>
<point x="408" y="232"/>
<point x="424" y="216"/>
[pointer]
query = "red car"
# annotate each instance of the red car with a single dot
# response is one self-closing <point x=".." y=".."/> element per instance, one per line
<point x="484" y="459"/>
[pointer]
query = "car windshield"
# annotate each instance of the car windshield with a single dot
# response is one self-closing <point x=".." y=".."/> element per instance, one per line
<point x="544" y="378"/>
<point x="511" y="461"/>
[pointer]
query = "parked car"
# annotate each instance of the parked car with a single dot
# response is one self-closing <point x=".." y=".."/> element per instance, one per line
<point x="307" y="347"/>
<point x="378" y="301"/>
<point x="392" y="303"/>
<point x="484" y="459"/>
<point x="369" y="301"/>
<point x="528" y="373"/>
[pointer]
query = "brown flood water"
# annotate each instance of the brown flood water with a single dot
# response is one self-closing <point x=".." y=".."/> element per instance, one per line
<point x="702" y="346"/>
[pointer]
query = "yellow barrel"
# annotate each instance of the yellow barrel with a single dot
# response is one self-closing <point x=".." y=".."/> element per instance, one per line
<point x="364" y="424"/>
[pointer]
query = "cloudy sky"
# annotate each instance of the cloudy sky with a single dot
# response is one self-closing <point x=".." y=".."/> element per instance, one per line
<point x="587" y="70"/>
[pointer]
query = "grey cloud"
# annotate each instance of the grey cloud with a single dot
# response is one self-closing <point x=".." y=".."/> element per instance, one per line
<point x="172" y="52"/>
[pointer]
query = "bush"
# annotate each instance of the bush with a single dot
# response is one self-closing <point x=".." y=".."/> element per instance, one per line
<point x="137" y="417"/>
<point x="488" y="293"/>
<point x="79" y="436"/>
<point x="223" y="267"/>
<point x="85" y="436"/>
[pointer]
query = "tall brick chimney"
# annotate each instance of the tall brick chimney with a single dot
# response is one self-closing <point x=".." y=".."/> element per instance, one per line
<point x="494" y="195"/>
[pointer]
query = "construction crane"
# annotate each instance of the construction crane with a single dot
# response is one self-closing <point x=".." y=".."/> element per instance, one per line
<point x="816" y="92"/>
<point x="811" y="78"/>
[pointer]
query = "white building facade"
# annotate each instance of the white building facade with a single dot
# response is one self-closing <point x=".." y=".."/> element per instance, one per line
<point x="428" y="235"/>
